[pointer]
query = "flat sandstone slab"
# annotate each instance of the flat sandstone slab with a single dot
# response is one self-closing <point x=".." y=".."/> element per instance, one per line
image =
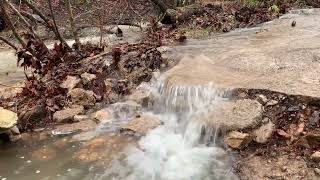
<point x="275" y="56"/>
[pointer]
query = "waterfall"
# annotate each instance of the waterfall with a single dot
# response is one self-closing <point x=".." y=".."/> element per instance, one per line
<point x="180" y="148"/>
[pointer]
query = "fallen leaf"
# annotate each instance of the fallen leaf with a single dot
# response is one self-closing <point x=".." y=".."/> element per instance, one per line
<point x="283" y="133"/>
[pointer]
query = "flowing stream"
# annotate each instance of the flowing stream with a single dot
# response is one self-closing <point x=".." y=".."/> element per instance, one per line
<point x="180" y="148"/>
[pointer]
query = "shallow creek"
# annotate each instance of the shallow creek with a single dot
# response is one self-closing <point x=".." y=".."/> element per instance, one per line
<point x="180" y="148"/>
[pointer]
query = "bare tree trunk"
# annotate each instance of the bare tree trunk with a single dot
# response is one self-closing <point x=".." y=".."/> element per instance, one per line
<point x="23" y="19"/>
<point x="48" y="22"/>
<point x="56" y="27"/>
<point x="10" y="24"/>
<point x="72" y="24"/>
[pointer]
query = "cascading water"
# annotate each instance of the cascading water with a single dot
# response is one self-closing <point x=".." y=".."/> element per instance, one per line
<point x="179" y="149"/>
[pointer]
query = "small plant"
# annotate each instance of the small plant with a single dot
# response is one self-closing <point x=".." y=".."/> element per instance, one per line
<point x="274" y="10"/>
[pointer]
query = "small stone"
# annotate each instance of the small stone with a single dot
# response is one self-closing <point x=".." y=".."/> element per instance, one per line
<point x="314" y="118"/>
<point x="87" y="77"/>
<point x="78" y="118"/>
<point x="70" y="83"/>
<point x="67" y="129"/>
<point x="243" y="95"/>
<point x="102" y="115"/>
<point x="38" y="171"/>
<point x="142" y="97"/>
<point x="265" y="120"/>
<point x="164" y="49"/>
<point x="284" y="168"/>
<point x="15" y="130"/>
<point x="82" y="97"/>
<point x="68" y="114"/>
<point x="237" y="140"/>
<point x="316" y="156"/>
<point x="317" y="171"/>
<point x="272" y="103"/>
<point x="141" y="125"/>
<point x="262" y="134"/>
<point x="108" y="84"/>
<point x="125" y="110"/>
<point x="156" y="75"/>
<point x="262" y="98"/>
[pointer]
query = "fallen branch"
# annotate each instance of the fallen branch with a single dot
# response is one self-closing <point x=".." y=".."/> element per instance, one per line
<point x="8" y="42"/>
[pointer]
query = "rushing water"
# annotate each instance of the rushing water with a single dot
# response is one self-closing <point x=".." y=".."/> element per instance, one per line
<point x="179" y="149"/>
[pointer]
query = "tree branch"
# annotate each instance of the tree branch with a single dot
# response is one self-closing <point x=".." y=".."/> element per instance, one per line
<point x="8" y="42"/>
<point x="46" y="19"/>
<point x="23" y="19"/>
<point x="56" y="27"/>
<point x="10" y="24"/>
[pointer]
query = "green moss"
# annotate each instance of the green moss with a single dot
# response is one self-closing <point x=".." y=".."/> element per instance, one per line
<point x="252" y="3"/>
<point x="195" y="33"/>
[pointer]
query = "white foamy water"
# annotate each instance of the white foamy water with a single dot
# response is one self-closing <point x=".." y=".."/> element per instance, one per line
<point x="180" y="149"/>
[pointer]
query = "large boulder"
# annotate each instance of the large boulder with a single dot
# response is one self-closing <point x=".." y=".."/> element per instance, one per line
<point x="8" y="119"/>
<point x="233" y="115"/>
